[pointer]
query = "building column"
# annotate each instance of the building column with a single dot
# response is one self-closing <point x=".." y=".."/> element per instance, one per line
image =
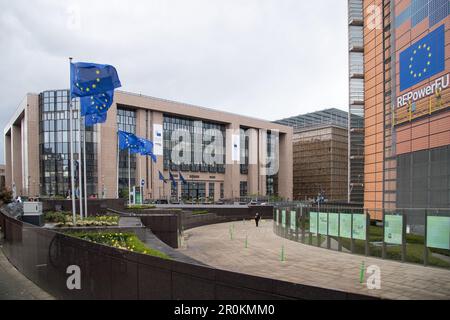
<point x="232" y="168"/>
<point x="8" y="163"/>
<point x="16" y="159"/>
<point x="262" y="159"/>
<point x="107" y="155"/>
<point x="32" y="145"/>
<point x="253" y="172"/>
<point x="159" y="190"/>
<point x="285" y="173"/>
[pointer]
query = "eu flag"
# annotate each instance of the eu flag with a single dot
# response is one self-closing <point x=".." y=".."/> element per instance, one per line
<point x="129" y="141"/>
<point x="91" y="79"/>
<point x="174" y="183"/>
<point x="161" y="177"/>
<point x="182" y="178"/>
<point x="91" y="119"/>
<point x="147" y="148"/>
<point x="96" y="104"/>
<point x="423" y="59"/>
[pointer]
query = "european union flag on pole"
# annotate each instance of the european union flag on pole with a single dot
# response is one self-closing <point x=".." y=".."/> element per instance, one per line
<point x="147" y="148"/>
<point x="182" y="178"/>
<point x="423" y="59"/>
<point x="91" y="119"/>
<point x="96" y="104"/>
<point x="129" y="141"/>
<point x="174" y="183"/>
<point x="161" y="177"/>
<point x="91" y="79"/>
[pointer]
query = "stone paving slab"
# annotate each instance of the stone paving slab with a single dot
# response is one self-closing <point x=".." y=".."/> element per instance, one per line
<point x="15" y="286"/>
<point x="307" y="264"/>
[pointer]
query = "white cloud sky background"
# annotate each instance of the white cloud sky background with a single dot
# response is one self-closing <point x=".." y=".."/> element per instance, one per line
<point x="263" y="58"/>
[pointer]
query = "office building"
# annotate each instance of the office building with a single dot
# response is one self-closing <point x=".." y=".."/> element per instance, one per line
<point x="247" y="151"/>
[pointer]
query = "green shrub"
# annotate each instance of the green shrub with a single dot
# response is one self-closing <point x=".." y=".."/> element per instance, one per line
<point x="200" y="212"/>
<point x="6" y="196"/>
<point x="124" y="241"/>
<point x="55" y="217"/>
<point x="141" y="206"/>
<point x="90" y="221"/>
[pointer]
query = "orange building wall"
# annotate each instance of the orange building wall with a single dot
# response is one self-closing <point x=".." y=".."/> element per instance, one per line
<point x="373" y="64"/>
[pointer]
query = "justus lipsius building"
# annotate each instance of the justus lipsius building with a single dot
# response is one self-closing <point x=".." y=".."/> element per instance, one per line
<point x="406" y="104"/>
<point x="252" y="157"/>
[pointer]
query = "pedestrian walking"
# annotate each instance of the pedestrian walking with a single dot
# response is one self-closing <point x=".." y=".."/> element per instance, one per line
<point x="257" y="219"/>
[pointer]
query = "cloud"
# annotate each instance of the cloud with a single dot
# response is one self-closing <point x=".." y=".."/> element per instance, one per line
<point x="264" y="58"/>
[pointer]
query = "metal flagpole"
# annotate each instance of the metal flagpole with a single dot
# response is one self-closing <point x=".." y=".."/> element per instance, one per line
<point x="85" y="175"/>
<point x="140" y="175"/>
<point x="80" y="172"/>
<point x="129" y="176"/>
<point x="118" y="160"/>
<point x="72" y="179"/>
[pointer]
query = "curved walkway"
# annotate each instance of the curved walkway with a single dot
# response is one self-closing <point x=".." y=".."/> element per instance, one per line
<point x="14" y="285"/>
<point x="306" y="264"/>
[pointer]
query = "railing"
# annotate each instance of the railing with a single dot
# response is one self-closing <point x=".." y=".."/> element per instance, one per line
<point x="424" y="107"/>
<point x="419" y="235"/>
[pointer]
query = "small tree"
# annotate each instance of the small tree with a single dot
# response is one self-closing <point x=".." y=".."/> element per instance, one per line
<point x="6" y="196"/>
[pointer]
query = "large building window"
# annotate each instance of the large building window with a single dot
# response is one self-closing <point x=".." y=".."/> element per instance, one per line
<point x="199" y="131"/>
<point x="244" y="143"/>
<point x="126" y="121"/>
<point x="54" y="145"/>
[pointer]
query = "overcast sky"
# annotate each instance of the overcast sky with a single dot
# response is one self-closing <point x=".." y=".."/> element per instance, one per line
<point x="264" y="58"/>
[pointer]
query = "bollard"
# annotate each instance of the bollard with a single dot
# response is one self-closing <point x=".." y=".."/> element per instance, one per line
<point x="362" y="272"/>
<point x="282" y="256"/>
<point x="231" y="233"/>
<point x="246" y="241"/>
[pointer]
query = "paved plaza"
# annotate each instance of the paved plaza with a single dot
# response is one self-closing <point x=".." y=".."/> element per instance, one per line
<point x="14" y="286"/>
<point x="307" y="264"/>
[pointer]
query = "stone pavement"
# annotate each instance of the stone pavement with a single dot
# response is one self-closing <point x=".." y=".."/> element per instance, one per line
<point x="307" y="264"/>
<point x="14" y="285"/>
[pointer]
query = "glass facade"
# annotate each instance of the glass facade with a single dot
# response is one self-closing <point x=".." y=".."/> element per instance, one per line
<point x="356" y="102"/>
<point x="272" y="180"/>
<point x="243" y="189"/>
<point x="244" y="151"/>
<point x="199" y="131"/>
<point x="126" y="121"/>
<point x="193" y="190"/>
<point x="54" y="145"/>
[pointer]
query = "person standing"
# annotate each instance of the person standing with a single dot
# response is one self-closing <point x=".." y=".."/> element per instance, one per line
<point x="257" y="219"/>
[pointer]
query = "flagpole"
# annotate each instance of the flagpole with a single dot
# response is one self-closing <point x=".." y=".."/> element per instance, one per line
<point x="118" y="160"/>
<point x="85" y="175"/>
<point x="129" y="176"/>
<point x="72" y="179"/>
<point x="140" y="175"/>
<point x="80" y="170"/>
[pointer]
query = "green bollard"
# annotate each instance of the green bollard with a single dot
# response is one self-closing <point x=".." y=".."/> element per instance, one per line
<point x="246" y="241"/>
<point x="282" y="257"/>
<point x="362" y="272"/>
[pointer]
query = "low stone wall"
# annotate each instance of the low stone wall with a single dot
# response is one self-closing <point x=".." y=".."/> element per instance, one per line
<point x="44" y="255"/>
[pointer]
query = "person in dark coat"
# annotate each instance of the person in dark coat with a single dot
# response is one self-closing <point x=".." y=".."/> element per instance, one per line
<point x="257" y="218"/>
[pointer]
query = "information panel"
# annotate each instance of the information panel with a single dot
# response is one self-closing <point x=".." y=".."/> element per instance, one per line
<point x="438" y="232"/>
<point x="283" y="218"/>
<point x="345" y="225"/>
<point x="323" y="223"/>
<point x="313" y="222"/>
<point x="359" y="226"/>
<point x="333" y="224"/>
<point x="393" y="228"/>
<point x="293" y="220"/>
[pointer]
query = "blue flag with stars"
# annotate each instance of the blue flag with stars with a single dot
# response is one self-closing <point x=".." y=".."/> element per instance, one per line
<point x="161" y="177"/>
<point x="182" y="178"/>
<point x="129" y="141"/>
<point x="174" y="183"/>
<point x="147" y="148"/>
<point x="423" y="59"/>
<point x="91" y="119"/>
<point x="96" y="104"/>
<point x="91" y="79"/>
